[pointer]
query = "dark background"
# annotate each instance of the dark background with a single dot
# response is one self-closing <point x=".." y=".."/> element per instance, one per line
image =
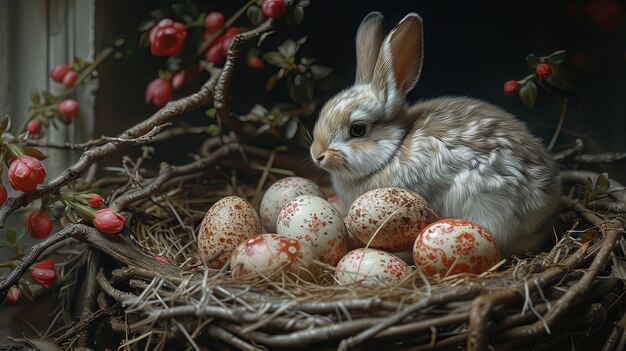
<point x="471" y="49"/>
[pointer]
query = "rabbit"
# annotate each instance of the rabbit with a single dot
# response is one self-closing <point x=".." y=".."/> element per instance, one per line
<point x="469" y="159"/>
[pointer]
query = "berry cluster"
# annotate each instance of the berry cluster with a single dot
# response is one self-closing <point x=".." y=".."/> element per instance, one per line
<point x="547" y="72"/>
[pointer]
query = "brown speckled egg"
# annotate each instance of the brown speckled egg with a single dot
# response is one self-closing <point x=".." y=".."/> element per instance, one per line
<point x="452" y="246"/>
<point x="316" y="222"/>
<point x="277" y="195"/>
<point x="271" y="255"/>
<point x="371" y="267"/>
<point x="229" y="222"/>
<point x="405" y="212"/>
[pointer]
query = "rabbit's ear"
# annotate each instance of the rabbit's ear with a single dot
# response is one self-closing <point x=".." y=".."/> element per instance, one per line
<point x="400" y="59"/>
<point x="369" y="39"/>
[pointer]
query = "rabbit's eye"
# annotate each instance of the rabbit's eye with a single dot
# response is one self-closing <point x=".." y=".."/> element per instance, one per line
<point x="357" y="130"/>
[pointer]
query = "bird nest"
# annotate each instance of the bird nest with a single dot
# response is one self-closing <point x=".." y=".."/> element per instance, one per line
<point x="567" y="296"/>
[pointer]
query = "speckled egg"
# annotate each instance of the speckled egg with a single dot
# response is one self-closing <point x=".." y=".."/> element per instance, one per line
<point x="397" y="214"/>
<point x="371" y="267"/>
<point x="229" y="222"/>
<point x="271" y="255"/>
<point x="452" y="246"/>
<point x="316" y="222"/>
<point x="279" y="193"/>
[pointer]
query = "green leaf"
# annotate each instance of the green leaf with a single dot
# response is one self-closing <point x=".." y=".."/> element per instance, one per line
<point x="528" y="94"/>
<point x="5" y="124"/>
<point x="320" y="72"/>
<point x="532" y="60"/>
<point x="559" y="83"/>
<point x="179" y="9"/>
<point x="602" y="185"/>
<point x="292" y="127"/>
<point x="84" y="211"/>
<point x="146" y="25"/>
<point x="31" y="151"/>
<point x="295" y="16"/>
<point x="48" y="97"/>
<point x="210" y="112"/>
<point x="192" y="7"/>
<point x="158" y="13"/>
<point x="262" y="129"/>
<point x="557" y="57"/>
<point x="213" y="130"/>
<point x="11" y="236"/>
<point x="71" y="215"/>
<point x="274" y="58"/>
<point x="255" y="15"/>
<point x="304" y="3"/>
<point x="35" y="98"/>
<point x="288" y="48"/>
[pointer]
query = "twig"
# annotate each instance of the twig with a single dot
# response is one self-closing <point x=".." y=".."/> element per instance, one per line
<point x="582" y="176"/>
<point x="90" y="295"/>
<point x="89" y="157"/>
<point x="557" y="131"/>
<point x="230" y="339"/>
<point x="84" y="324"/>
<point x="574" y="150"/>
<point x="600" y="158"/>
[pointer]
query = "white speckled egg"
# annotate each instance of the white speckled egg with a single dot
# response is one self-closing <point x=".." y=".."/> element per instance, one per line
<point x="452" y="246"/>
<point x="270" y="255"/>
<point x="371" y="267"/>
<point x="316" y="222"/>
<point x="230" y="221"/>
<point x="277" y="195"/>
<point x="399" y="213"/>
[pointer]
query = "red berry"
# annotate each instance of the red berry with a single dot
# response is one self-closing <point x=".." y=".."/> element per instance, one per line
<point x="47" y="264"/>
<point x="214" y="54"/>
<point x="69" y="108"/>
<point x="94" y="200"/>
<point x="14" y="294"/>
<point x="109" y="222"/>
<point x="43" y="276"/>
<point x="38" y="224"/>
<point x="543" y="70"/>
<point x="224" y="43"/>
<point x="3" y="195"/>
<point x="167" y="38"/>
<point x="159" y="92"/>
<point x="274" y="8"/>
<point x="256" y="62"/>
<point x="232" y="31"/>
<point x="511" y="88"/>
<point x="25" y="173"/>
<point x="214" y="21"/>
<point x="161" y="259"/>
<point x="178" y="80"/>
<point x="70" y="79"/>
<point x="34" y="127"/>
<point x="59" y="72"/>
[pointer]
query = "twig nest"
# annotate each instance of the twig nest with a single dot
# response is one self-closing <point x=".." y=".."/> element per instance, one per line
<point x="452" y="246"/>
<point x="371" y="267"/>
<point x="279" y="193"/>
<point x="315" y="221"/>
<point x="271" y="256"/>
<point x="229" y="222"/>
<point x="391" y="218"/>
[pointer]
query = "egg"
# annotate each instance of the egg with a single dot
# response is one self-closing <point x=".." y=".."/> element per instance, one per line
<point x="277" y="195"/>
<point x="272" y="255"/>
<point x="392" y="216"/>
<point x="316" y="222"/>
<point x="230" y="221"/>
<point x="371" y="267"/>
<point x="452" y="246"/>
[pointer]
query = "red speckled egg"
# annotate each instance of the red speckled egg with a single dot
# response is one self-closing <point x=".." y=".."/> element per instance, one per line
<point x="272" y="255"/>
<point x="316" y="222"/>
<point x="279" y="193"/>
<point x="230" y="221"/>
<point x="371" y="267"/>
<point x="452" y="246"/>
<point x="399" y="213"/>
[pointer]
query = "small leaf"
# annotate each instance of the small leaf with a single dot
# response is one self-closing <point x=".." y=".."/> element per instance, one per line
<point x="48" y="97"/>
<point x="262" y="129"/>
<point x="304" y="3"/>
<point x="292" y="127"/>
<point x="295" y="16"/>
<point x="71" y="215"/>
<point x="84" y="211"/>
<point x="11" y="236"/>
<point x="146" y="25"/>
<point x="271" y="82"/>
<point x="320" y="72"/>
<point x="528" y="94"/>
<point x="5" y="124"/>
<point x="179" y="9"/>
<point x="158" y="13"/>
<point x="213" y="130"/>
<point x="602" y="184"/>
<point x="192" y="7"/>
<point x="210" y="112"/>
<point x="559" y="83"/>
<point x="557" y="57"/>
<point x="288" y="48"/>
<point x="255" y="15"/>
<point x="532" y="60"/>
<point x="274" y="58"/>
<point x="31" y="151"/>
<point x="35" y="98"/>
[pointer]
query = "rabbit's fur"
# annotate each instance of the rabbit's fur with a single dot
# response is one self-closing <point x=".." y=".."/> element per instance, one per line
<point x="467" y="158"/>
